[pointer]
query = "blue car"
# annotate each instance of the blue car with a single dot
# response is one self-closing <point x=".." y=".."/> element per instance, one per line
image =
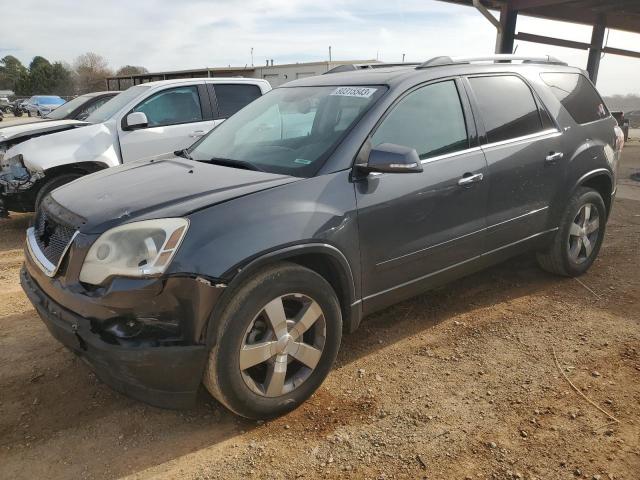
<point x="41" y="105"/>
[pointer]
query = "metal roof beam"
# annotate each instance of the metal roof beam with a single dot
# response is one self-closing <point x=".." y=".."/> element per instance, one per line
<point x="557" y="42"/>
<point x="527" y="4"/>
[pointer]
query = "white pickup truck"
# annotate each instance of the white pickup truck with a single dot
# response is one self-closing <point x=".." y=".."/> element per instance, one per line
<point x="143" y="121"/>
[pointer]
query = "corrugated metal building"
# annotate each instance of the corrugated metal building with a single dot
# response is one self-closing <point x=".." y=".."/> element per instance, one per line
<point x="274" y="74"/>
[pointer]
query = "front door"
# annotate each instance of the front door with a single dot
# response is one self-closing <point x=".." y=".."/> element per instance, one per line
<point x="416" y="225"/>
<point x="177" y="117"/>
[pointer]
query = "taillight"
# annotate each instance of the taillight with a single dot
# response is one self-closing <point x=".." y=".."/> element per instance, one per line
<point x="619" y="138"/>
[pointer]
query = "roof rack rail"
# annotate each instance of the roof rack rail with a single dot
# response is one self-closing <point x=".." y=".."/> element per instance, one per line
<point x="498" y="58"/>
<point x="349" y="67"/>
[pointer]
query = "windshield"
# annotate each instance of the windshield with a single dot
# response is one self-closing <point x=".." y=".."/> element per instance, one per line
<point x="289" y="131"/>
<point x="64" y="110"/>
<point x="113" y="106"/>
<point x="50" y="100"/>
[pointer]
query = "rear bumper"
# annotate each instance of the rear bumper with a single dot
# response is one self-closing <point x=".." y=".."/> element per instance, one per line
<point x="163" y="376"/>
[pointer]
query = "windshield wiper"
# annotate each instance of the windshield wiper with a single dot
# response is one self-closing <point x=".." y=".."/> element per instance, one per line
<point x="231" y="162"/>
<point x="184" y="153"/>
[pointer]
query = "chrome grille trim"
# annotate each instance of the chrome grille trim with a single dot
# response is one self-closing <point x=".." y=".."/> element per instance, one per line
<point x="39" y="257"/>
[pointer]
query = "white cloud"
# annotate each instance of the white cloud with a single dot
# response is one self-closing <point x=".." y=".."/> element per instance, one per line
<point x="170" y="35"/>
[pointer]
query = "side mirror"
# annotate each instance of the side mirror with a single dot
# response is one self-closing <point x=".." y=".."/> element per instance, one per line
<point x="135" y="120"/>
<point x="392" y="158"/>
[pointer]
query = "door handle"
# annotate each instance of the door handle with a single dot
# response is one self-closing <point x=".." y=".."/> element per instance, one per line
<point x="553" y="158"/>
<point x="197" y="133"/>
<point x="469" y="179"/>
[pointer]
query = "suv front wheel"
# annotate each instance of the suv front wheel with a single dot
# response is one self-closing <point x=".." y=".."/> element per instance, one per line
<point x="579" y="238"/>
<point x="279" y="335"/>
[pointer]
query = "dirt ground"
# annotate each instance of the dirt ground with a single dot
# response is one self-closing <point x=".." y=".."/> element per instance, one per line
<point x="9" y="120"/>
<point x="459" y="383"/>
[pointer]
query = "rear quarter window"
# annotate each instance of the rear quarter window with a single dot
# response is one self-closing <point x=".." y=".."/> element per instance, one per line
<point x="577" y="95"/>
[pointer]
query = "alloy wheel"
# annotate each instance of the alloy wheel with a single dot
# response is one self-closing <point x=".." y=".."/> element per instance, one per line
<point x="583" y="233"/>
<point x="283" y="345"/>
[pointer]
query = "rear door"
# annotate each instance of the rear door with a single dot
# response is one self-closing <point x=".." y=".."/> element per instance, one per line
<point x="525" y="157"/>
<point x="415" y="225"/>
<point x="177" y="117"/>
<point x="228" y="98"/>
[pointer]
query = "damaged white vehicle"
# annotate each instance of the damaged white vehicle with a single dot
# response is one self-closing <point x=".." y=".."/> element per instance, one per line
<point x="144" y="121"/>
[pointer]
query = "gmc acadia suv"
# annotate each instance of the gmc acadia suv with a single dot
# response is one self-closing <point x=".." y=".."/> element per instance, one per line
<point x="239" y="261"/>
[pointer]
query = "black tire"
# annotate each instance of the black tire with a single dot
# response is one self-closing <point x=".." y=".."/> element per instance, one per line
<point x="234" y="387"/>
<point x="52" y="184"/>
<point x="558" y="258"/>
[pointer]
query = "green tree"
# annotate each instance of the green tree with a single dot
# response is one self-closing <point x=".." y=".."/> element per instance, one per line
<point x="62" y="79"/>
<point x="11" y="71"/>
<point x="45" y="78"/>
<point x="40" y="73"/>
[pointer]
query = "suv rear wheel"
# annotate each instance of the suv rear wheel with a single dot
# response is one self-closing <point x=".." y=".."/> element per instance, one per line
<point x="280" y="334"/>
<point x="577" y="242"/>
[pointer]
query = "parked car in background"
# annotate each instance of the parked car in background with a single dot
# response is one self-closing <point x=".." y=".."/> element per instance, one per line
<point x="239" y="262"/>
<point x="41" y="105"/>
<point x="19" y="106"/>
<point x="5" y="105"/>
<point x="143" y="121"/>
<point x="66" y="117"/>
<point x="81" y="107"/>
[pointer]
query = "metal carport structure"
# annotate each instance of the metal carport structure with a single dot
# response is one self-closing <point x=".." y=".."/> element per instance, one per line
<point x="599" y="14"/>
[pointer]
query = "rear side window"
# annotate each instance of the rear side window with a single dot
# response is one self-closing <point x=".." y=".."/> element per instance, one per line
<point x="430" y="120"/>
<point x="232" y="98"/>
<point x="577" y="95"/>
<point x="507" y="107"/>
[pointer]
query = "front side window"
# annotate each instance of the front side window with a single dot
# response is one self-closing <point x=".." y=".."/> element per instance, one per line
<point x="507" y="107"/>
<point x="290" y="131"/>
<point x="577" y="95"/>
<point x="232" y="98"/>
<point x="172" y="106"/>
<point x="430" y="120"/>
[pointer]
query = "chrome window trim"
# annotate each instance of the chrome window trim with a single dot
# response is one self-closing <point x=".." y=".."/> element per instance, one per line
<point x="439" y="157"/>
<point x="450" y="155"/>
<point x="484" y="229"/>
<point x="424" y="277"/>
<point x="549" y="133"/>
<point x="39" y="257"/>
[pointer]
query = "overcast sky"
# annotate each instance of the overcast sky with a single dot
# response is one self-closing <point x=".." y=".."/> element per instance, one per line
<point x="174" y="35"/>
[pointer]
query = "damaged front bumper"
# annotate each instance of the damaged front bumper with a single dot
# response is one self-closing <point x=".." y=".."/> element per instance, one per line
<point x="16" y="182"/>
<point x="144" y="338"/>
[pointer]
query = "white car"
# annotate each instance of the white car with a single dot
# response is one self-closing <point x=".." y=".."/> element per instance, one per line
<point x="144" y="121"/>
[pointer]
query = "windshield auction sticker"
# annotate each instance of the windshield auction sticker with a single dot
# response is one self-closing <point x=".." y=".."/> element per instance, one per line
<point x="360" y="92"/>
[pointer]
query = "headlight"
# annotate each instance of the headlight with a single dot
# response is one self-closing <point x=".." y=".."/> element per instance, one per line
<point x="138" y="249"/>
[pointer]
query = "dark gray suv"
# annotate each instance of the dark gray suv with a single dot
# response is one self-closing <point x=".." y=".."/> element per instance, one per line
<point x="239" y="262"/>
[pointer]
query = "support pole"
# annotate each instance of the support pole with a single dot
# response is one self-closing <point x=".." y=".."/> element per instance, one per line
<point x="595" y="50"/>
<point x="507" y="33"/>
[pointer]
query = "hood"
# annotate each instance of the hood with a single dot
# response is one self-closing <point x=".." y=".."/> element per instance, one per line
<point x="25" y="131"/>
<point x="157" y="188"/>
<point x="91" y="143"/>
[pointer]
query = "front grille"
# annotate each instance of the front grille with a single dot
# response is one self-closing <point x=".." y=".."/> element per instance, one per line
<point x="52" y="236"/>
